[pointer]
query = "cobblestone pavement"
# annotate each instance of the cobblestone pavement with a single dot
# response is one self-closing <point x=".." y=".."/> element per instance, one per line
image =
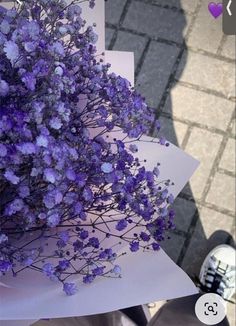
<point x="185" y="67"/>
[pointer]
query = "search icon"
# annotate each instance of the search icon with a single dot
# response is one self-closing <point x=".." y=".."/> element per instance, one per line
<point x="210" y="308"/>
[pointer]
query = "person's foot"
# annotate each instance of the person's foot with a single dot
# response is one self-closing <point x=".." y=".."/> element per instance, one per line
<point x="218" y="271"/>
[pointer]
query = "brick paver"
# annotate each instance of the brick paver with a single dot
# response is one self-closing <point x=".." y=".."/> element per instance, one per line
<point x="185" y="67"/>
<point x="186" y="5"/>
<point x="141" y="17"/>
<point x="203" y="145"/>
<point x="228" y="48"/>
<point x="114" y="10"/>
<point x="188" y="104"/>
<point x="109" y="35"/>
<point x="210" y="222"/>
<point x="228" y="158"/>
<point x="222" y="192"/>
<point x="174" y="131"/>
<point x="205" y="30"/>
<point x="129" y="42"/>
<point x="155" y="71"/>
<point x="208" y="73"/>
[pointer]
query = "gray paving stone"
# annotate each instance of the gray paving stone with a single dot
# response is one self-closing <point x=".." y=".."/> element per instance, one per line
<point x="186" y="5"/>
<point x="228" y="159"/>
<point x="184" y="210"/>
<point x="155" y="71"/>
<point x="173" y="131"/>
<point x="206" y="109"/>
<point x="202" y="240"/>
<point x="229" y="47"/>
<point x="203" y="145"/>
<point x="231" y="313"/>
<point x="7" y="4"/>
<point x="207" y="72"/>
<point x="156" y="21"/>
<point x="129" y="42"/>
<point x="113" y="10"/>
<point x="173" y="246"/>
<point x="233" y="236"/>
<point x="207" y="31"/>
<point x="222" y="192"/>
<point x="108" y="34"/>
<point x="233" y="128"/>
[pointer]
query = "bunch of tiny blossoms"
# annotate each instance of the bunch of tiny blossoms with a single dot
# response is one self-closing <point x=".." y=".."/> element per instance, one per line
<point x="68" y="194"/>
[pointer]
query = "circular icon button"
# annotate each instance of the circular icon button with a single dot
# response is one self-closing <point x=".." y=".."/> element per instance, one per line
<point x="210" y="309"/>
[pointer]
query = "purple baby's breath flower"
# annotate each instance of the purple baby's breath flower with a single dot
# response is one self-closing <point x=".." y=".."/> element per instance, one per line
<point x="144" y="236"/>
<point x="29" y="81"/>
<point x="78" y="208"/>
<point x="117" y="270"/>
<point x="84" y="234"/>
<point x="88" y="194"/>
<point x="12" y="51"/>
<point x="57" y="49"/>
<point x="50" y="175"/>
<point x="4" y="88"/>
<point x="162" y="140"/>
<point x="81" y="179"/>
<point x="155" y="246"/>
<point x="53" y="220"/>
<point x="24" y="191"/>
<point x="107" y="167"/>
<point x="3" y="238"/>
<point x="30" y="30"/>
<point x="5" y="27"/>
<point x="58" y="71"/>
<point x="170" y="199"/>
<point x="78" y="245"/>
<point x="5" y="266"/>
<point x="28" y="261"/>
<point x="30" y="46"/>
<point x="15" y="206"/>
<point x="171" y="214"/>
<point x="55" y="123"/>
<point x="64" y="235"/>
<point x="41" y="68"/>
<point x="73" y="11"/>
<point x="64" y="264"/>
<point x="3" y="150"/>
<point x="48" y="269"/>
<point x="42" y="216"/>
<point x="42" y="141"/>
<point x="10" y="176"/>
<point x="134" y="246"/>
<point x="94" y="242"/>
<point x="70" y="288"/>
<point x="88" y="279"/>
<point x="133" y="148"/>
<point x="121" y="225"/>
<point x="98" y="271"/>
<point x="26" y="148"/>
<point x="70" y="174"/>
<point x="91" y="3"/>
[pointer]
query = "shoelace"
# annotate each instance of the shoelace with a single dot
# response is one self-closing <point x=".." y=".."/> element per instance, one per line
<point x="205" y="289"/>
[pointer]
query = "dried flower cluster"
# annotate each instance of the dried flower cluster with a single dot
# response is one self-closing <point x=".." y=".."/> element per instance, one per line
<point x="66" y="188"/>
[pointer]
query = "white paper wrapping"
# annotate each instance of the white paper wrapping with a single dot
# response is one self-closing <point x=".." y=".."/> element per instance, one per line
<point x="146" y="276"/>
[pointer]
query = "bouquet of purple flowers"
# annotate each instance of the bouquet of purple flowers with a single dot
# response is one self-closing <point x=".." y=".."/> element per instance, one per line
<point x="71" y="194"/>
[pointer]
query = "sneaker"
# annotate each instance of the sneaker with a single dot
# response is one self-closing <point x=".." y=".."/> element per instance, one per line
<point x="218" y="272"/>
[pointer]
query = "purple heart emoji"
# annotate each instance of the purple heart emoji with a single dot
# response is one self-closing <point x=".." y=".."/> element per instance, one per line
<point x="215" y="9"/>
